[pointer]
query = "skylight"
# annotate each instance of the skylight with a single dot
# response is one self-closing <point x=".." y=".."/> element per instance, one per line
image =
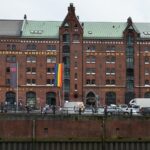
<point x="36" y="31"/>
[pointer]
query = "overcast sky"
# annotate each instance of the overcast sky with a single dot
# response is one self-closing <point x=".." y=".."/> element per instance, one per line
<point x="87" y="10"/>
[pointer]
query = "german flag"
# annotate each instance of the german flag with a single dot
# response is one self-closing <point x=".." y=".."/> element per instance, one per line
<point x="58" y="74"/>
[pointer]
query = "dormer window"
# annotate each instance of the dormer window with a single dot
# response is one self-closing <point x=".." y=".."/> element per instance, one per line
<point x="66" y="25"/>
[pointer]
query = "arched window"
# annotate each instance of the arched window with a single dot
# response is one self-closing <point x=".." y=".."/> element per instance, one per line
<point x="129" y="96"/>
<point x="90" y="98"/>
<point x="51" y="98"/>
<point x="147" y="95"/>
<point x="31" y="99"/>
<point x="10" y="98"/>
<point x="110" y="98"/>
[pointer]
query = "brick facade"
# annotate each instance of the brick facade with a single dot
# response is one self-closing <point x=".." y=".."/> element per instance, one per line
<point x="97" y="70"/>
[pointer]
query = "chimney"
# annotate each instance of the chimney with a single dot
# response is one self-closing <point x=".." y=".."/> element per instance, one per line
<point x="25" y="17"/>
<point x="71" y="9"/>
<point x="129" y="21"/>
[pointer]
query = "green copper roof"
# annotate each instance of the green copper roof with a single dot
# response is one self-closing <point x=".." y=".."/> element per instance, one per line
<point x="144" y="29"/>
<point x="92" y="30"/>
<point x="103" y="29"/>
<point x="41" y="29"/>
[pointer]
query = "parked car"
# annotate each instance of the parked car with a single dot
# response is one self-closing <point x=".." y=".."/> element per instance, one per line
<point x="145" y="111"/>
<point x="115" y="110"/>
<point x="133" y="110"/>
<point x="88" y="111"/>
<point x="100" y="110"/>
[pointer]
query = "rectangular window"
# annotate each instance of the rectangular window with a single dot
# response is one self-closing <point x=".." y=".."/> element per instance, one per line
<point x="146" y="71"/>
<point x="31" y="59"/>
<point x="33" y="70"/>
<point x="28" y="81"/>
<point x="93" y="81"/>
<point x="110" y="48"/>
<point x="11" y="59"/>
<point x="51" y="47"/>
<point x="7" y="81"/>
<point x="48" y="70"/>
<point x="93" y="70"/>
<point x="146" y="60"/>
<point x="31" y="47"/>
<point x="13" y="47"/>
<point x="107" y="71"/>
<point x="50" y="82"/>
<point x="31" y="81"/>
<point x="75" y="75"/>
<point x="8" y="70"/>
<point x="93" y="59"/>
<point x="28" y="70"/>
<point x="91" y="48"/>
<point x="51" y="59"/>
<point x="88" y="59"/>
<point x="112" y="71"/>
<point x="75" y="86"/>
<point x="75" y="65"/>
<point x="66" y="38"/>
<point x="75" y="54"/>
<point x="76" y="38"/>
<point x="88" y="81"/>
<point x="88" y="71"/>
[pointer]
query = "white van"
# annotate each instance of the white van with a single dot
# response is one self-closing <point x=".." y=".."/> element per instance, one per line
<point x="72" y="107"/>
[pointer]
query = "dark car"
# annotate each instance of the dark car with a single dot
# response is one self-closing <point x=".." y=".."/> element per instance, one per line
<point x="145" y="111"/>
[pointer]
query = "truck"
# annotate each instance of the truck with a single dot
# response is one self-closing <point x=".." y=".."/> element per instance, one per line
<point x="141" y="102"/>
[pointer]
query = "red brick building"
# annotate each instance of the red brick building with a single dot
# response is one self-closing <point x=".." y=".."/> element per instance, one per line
<point x="104" y="62"/>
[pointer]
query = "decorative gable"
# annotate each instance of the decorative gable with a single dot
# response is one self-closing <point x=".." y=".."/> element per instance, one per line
<point x="131" y="28"/>
<point x="71" y="21"/>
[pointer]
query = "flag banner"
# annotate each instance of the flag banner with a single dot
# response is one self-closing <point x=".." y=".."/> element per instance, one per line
<point x="13" y="75"/>
<point x="58" y="74"/>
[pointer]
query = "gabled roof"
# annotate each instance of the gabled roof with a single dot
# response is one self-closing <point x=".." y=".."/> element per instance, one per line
<point x="10" y="27"/>
<point x="50" y="29"/>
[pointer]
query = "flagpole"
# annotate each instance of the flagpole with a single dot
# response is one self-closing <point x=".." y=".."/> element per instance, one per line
<point x="17" y="90"/>
<point x="59" y="98"/>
